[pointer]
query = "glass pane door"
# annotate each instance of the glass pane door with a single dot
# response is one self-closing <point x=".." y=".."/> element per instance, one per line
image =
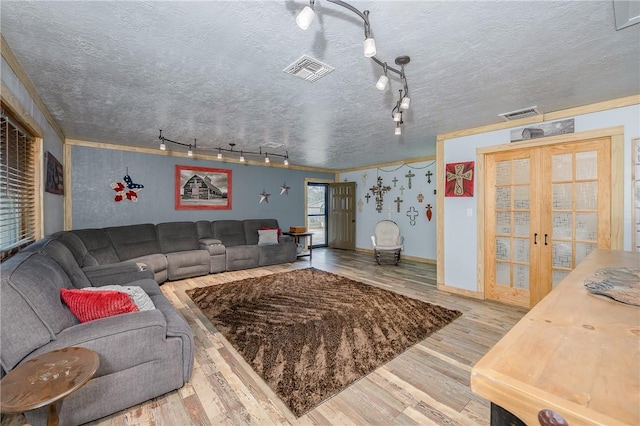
<point x="317" y="213"/>
<point x="578" y="204"/>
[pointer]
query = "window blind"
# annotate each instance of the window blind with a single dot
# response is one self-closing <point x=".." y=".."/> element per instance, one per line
<point x="17" y="187"/>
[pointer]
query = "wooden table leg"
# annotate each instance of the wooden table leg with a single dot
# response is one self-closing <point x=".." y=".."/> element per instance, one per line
<point x="52" y="419"/>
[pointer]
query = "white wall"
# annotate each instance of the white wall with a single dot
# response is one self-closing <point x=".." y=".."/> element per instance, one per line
<point x="53" y="205"/>
<point x="420" y="238"/>
<point x="460" y="231"/>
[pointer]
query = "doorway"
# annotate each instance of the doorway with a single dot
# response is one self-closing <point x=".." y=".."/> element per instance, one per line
<point x="317" y="201"/>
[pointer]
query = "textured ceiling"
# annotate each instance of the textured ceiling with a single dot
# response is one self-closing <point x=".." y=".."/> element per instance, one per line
<point x="117" y="71"/>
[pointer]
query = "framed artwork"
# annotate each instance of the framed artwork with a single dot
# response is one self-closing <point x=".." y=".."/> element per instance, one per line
<point x="54" y="183"/>
<point x="202" y="188"/>
<point x="543" y="130"/>
<point x="459" y="179"/>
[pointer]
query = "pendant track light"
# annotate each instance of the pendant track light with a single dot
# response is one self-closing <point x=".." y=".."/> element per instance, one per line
<point x="304" y="19"/>
<point x="219" y="156"/>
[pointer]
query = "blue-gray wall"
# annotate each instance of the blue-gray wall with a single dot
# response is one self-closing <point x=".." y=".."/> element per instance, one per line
<point x="93" y="205"/>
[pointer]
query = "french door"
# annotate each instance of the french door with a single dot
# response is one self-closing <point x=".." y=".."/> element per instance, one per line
<point x="546" y="209"/>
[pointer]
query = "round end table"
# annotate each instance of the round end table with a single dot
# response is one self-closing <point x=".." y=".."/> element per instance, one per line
<point x="46" y="380"/>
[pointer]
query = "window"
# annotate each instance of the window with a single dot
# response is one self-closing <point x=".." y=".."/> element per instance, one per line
<point x="18" y="204"/>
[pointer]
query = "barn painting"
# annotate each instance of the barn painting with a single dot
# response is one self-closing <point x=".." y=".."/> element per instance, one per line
<point x="202" y="188"/>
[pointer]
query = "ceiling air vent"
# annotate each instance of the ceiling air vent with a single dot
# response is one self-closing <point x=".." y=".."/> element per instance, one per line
<point x="308" y="68"/>
<point x="521" y="113"/>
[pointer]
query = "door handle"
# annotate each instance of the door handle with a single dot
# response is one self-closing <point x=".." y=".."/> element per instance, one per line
<point x="535" y="238"/>
<point x="545" y="239"/>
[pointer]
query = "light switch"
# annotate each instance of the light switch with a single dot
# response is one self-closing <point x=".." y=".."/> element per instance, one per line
<point x="469" y="212"/>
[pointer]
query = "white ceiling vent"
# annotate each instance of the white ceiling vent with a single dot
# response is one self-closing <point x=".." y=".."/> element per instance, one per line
<point x="308" y="68"/>
<point x="520" y="113"/>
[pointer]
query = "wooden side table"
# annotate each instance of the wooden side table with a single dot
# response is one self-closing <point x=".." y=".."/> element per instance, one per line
<point x="46" y="380"/>
<point x="297" y="236"/>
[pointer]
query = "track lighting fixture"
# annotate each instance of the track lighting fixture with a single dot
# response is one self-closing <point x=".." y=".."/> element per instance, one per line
<point x="304" y="19"/>
<point x="219" y="156"/>
<point x="163" y="146"/>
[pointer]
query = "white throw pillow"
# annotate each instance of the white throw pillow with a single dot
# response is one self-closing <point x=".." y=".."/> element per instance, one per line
<point x="267" y="237"/>
<point x="138" y="295"/>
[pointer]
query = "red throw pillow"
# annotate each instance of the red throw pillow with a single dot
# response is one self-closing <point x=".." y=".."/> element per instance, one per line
<point x="92" y="305"/>
<point x="266" y="228"/>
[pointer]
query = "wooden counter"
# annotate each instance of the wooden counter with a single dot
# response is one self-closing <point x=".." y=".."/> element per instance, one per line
<point x="574" y="353"/>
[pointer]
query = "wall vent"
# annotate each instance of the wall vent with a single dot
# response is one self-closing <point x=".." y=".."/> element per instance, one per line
<point x="308" y="68"/>
<point x="520" y="113"/>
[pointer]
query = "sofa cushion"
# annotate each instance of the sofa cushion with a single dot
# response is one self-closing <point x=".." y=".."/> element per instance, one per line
<point x="77" y="248"/>
<point x="157" y="263"/>
<point x="59" y="252"/>
<point x="98" y="245"/>
<point x="133" y="241"/>
<point x="204" y="229"/>
<point x="137" y="294"/>
<point x="230" y="232"/>
<point x="31" y="312"/>
<point x="92" y="305"/>
<point x="242" y="257"/>
<point x="177" y="236"/>
<point x="185" y="264"/>
<point x="251" y="227"/>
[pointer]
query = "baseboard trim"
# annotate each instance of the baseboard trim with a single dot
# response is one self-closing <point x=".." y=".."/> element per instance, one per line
<point x="461" y="291"/>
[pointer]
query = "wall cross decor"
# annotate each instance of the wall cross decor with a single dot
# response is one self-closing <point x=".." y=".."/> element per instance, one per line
<point x="367" y="197"/>
<point x="459" y="179"/>
<point x="409" y="175"/>
<point x="364" y="178"/>
<point x="401" y="189"/>
<point x="429" y="212"/>
<point x="420" y="197"/>
<point x="398" y="201"/>
<point x="428" y="175"/>
<point x="360" y="203"/>
<point x="379" y="190"/>
<point x="394" y="180"/>
<point x="412" y="213"/>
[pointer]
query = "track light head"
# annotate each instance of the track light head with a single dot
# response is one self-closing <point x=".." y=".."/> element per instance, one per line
<point x="382" y="82"/>
<point x="405" y="102"/>
<point x="163" y="147"/>
<point x="369" y="47"/>
<point x="305" y="17"/>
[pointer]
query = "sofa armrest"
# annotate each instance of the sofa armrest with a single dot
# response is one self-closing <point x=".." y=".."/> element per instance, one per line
<point x="121" y="341"/>
<point x="117" y="273"/>
<point x="178" y="327"/>
<point x="212" y="245"/>
<point x="286" y="239"/>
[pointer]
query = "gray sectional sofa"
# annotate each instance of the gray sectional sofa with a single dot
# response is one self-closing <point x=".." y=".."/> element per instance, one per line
<point x="142" y="354"/>
<point x="177" y="250"/>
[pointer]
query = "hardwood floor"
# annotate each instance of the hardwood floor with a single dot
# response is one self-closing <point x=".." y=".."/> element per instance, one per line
<point x="427" y="384"/>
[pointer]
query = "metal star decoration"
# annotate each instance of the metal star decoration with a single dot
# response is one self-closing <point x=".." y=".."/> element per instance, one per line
<point x="264" y="197"/>
<point x="284" y="189"/>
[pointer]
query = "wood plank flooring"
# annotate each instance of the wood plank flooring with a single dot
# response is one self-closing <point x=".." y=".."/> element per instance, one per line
<point x="426" y="385"/>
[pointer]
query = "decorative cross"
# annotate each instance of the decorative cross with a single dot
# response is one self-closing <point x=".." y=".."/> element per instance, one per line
<point x="398" y="201"/>
<point x="379" y="190"/>
<point x="412" y="213"/>
<point x="401" y="189"/>
<point x="394" y="180"/>
<point x="420" y="197"/>
<point x="429" y="212"/>
<point x="364" y="178"/>
<point x="360" y="203"/>
<point x="428" y="175"/>
<point x="367" y="197"/>
<point x="409" y="175"/>
<point x="459" y="177"/>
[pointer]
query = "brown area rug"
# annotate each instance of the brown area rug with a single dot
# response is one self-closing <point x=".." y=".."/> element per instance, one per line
<point x="310" y="333"/>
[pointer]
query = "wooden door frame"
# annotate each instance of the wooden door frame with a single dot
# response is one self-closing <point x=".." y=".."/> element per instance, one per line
<point x="616" y="134"/>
